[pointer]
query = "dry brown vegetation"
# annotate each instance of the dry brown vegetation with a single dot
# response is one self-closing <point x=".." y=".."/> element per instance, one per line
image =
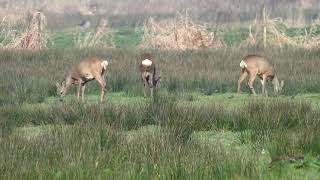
<point x="278" y="38"/>
<point x="310" y="41"/>
<point x="179" y="34"/>
<point x="275" y="38"/>
<point x="35" y="37"/>
<point x="100" y="38"/>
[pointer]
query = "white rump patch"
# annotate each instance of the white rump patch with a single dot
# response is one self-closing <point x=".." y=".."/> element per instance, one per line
<point x="104" y="64"/>
<point x="146" y="62"/>
<point x="243" y="64"/>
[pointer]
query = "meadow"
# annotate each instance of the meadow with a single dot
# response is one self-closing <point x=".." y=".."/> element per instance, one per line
<point x="195" y="127"/>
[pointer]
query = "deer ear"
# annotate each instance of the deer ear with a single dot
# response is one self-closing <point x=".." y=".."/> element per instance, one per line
<point x="282" y="84"/>
<point x="57" y="85"/>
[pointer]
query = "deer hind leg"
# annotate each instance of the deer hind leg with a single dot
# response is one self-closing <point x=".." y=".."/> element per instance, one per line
<point x="79" y="89"/>
<point x="146" y="87"/>
<point x="151" y="85"/>
<point x="103" y="87"/>
<point x="151" y="91"/>
<point x="242" y="77"/>
<point x="262" y="85"/>
<point x="250" y="83"/>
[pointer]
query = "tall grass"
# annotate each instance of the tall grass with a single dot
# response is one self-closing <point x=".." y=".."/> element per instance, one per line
<point x="154" y="140"/>
<point x="30" y="77"/>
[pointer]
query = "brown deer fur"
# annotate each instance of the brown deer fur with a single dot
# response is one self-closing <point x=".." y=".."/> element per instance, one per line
<point x="87" y="70"/>
<point x="254" y="65"/>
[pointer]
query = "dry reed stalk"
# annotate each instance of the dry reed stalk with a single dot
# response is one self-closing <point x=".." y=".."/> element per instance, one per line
<point x="180" y="34"/>
<point x="274" y="36"/>
<point x="96" y="39"/>
<point x="310" y="40"/>
<point x="35" y="38"/>
<point x="5" y="31"/>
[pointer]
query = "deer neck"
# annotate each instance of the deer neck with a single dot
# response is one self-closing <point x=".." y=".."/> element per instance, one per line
<point x="68" y="81"/>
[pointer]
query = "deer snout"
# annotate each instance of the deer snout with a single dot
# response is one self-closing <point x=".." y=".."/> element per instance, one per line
<point x="61" y="93"/>
<point x="150" y="85"/>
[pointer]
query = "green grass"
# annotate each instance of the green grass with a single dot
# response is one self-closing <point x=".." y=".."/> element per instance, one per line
<point x="63" y="39"/>
<point x="234" y="36"/>
<point x="195" y="127"/>
<point x="4" y="40"/>
<point x="122" y="37"/>
<point x="218" y="136"/>
<point x="126" y="37"/>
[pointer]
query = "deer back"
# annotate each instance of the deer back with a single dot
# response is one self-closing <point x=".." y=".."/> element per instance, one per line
<point x="90" y="68"/>
<point x="257" y="63"/>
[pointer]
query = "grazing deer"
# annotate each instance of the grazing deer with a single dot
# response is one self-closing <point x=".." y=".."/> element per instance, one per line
<point x="148" y="74"/>
<point x="257" y="65"/>
<point x="85" y="71"/>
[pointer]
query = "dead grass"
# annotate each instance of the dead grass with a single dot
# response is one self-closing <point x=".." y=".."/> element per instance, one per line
<point x="35" y="38"/>
<point x="278" y="38"/>
<point x="6" y="31"/>
<point x="275" y="38"/>
<point x="102" y="37"/>
<point x="178" y="34"/>
<point x="311" y="41"/>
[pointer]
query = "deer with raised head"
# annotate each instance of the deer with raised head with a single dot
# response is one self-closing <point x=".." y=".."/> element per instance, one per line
<point x="254" y="65"/>
<point x="148" y="74"/>
<point x="87" y="70"/>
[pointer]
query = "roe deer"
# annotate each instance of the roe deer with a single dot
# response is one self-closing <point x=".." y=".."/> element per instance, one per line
<point x="148" y="74"/>
<point x="87" y="70"/>
<point x="257" y="65"/>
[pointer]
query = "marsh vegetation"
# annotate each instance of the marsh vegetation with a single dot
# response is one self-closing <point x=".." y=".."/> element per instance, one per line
<point x="194" y="127"/>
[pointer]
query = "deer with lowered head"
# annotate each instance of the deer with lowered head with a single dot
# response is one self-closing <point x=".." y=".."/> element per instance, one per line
<point x="254" y="65"/>
<point x="87" y="70"/>
<point x="148" y="74"/>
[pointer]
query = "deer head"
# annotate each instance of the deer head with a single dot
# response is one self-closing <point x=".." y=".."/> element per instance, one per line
<point x="61" y="88"/>
<point x="157" y="80"/>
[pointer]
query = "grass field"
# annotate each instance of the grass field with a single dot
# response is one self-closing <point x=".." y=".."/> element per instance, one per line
<point x="195" y="127"/>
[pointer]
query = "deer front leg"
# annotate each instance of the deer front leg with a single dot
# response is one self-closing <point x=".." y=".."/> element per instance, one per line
<point x="79" y="89"/>
<point x="250" y="84"/>
<point x="82" y="91"/>
<point x="241" y="78"/>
